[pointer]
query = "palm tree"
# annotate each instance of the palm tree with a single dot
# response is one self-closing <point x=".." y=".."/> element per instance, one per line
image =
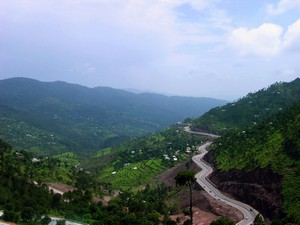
<point x="187" y="177"/>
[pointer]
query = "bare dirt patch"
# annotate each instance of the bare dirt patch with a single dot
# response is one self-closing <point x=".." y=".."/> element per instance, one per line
<point x="60" y="187"/>
<point x="200" y="217"/>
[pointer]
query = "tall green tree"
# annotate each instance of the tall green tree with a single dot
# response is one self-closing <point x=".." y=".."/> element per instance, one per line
<point x="187" y="177"/>
<point x="4" y="147"/>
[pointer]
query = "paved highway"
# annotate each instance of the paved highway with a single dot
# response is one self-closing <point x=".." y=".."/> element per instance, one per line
<point x="2" y="223"/>
<point x="188" y="129"/>
<point x="55" y="219"/>
<point x="248" y="212"/>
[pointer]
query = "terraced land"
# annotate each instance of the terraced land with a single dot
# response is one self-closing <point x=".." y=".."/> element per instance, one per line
<point x="133" y="175"/>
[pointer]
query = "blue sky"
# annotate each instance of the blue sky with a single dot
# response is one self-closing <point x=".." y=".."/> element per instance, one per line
<point x="215" y="48"/>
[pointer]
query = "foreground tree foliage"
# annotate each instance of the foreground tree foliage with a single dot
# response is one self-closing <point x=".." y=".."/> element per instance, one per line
<point x="187" y="177"/>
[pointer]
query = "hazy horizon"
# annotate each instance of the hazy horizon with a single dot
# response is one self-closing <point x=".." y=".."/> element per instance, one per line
<point x="221" y="49"/>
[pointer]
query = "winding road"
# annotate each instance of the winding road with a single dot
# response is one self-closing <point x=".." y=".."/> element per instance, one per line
<point x="188" y="129"/>
<point x="248" y="212"/>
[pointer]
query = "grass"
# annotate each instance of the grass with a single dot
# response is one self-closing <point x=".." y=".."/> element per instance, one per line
<point x="133" y="175"/>
<point x="69" y="157"/>
<point x="103" y="152"/>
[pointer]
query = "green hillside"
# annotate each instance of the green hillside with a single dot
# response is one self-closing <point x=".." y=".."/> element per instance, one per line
<point x="273" y="143"/>
<point x="56" y="117"/>
<point x="251" y="109"/>
<point x="27" y="202"/>
<point x="137" y="162"/>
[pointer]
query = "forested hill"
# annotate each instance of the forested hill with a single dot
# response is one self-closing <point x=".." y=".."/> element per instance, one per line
<point x="57" y="117"/>
<point x="275" y="144"/>
<point x="251" y="109"/>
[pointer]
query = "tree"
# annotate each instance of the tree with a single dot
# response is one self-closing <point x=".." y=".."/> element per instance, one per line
<point x="10" y="216"/>
<point x="222" y="221"/>
<point x="56" y="201"/>
<point x="259" y="220"/>
<point x="4" y="147"/>
<point x="187" y="177"/>
<point x="27" y="213"/>
<point x="46" y="220"/>
<point x="61" y="222"/>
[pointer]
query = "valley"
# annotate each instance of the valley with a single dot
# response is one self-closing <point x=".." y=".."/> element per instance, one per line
<point x="51" y="118"/>
<point x="252" y="144"/>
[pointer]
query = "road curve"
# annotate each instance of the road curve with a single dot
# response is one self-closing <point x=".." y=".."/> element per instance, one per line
<point x="188" y="129"/>
<point x="248" y="212"/>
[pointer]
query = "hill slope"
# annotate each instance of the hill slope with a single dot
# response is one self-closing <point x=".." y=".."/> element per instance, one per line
<point x="58" y="117"/>
<point x="25" y="201"/>
<point x="136" y="162"/>
<point x="264" y="162"/>
<point x="251" y="109"/>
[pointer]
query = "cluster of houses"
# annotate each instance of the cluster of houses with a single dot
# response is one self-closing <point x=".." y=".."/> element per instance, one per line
<point x="175" y="156"/>
<point x="21" y="156"/>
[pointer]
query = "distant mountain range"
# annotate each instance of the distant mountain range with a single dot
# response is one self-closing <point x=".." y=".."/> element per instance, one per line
<point x="54" y="117"/>
<point x="137" y="91"/>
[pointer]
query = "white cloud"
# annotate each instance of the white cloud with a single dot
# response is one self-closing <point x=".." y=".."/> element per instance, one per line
<point x="291" y="39"/>
<point x="119" y="22"/>
<point x="160" y="16"/>
<point x="264" y="40"/>
<point x="282" y="6"/>
<point x="155" y="16"/>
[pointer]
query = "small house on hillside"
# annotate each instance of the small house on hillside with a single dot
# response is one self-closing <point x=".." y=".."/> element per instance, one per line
<point x="35" y="160"/>
<point x="188" y="150"/>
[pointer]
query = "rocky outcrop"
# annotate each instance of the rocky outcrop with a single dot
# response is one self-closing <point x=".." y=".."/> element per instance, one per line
<point x="260" y="188"/>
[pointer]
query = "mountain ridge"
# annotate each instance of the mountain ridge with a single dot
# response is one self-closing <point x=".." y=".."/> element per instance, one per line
<point x="75" y="118"/>
<point x="260" y="164"/>
<point x="250" y="109"/>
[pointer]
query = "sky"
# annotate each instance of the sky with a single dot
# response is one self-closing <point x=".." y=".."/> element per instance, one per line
<point x="203" y="48"/>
